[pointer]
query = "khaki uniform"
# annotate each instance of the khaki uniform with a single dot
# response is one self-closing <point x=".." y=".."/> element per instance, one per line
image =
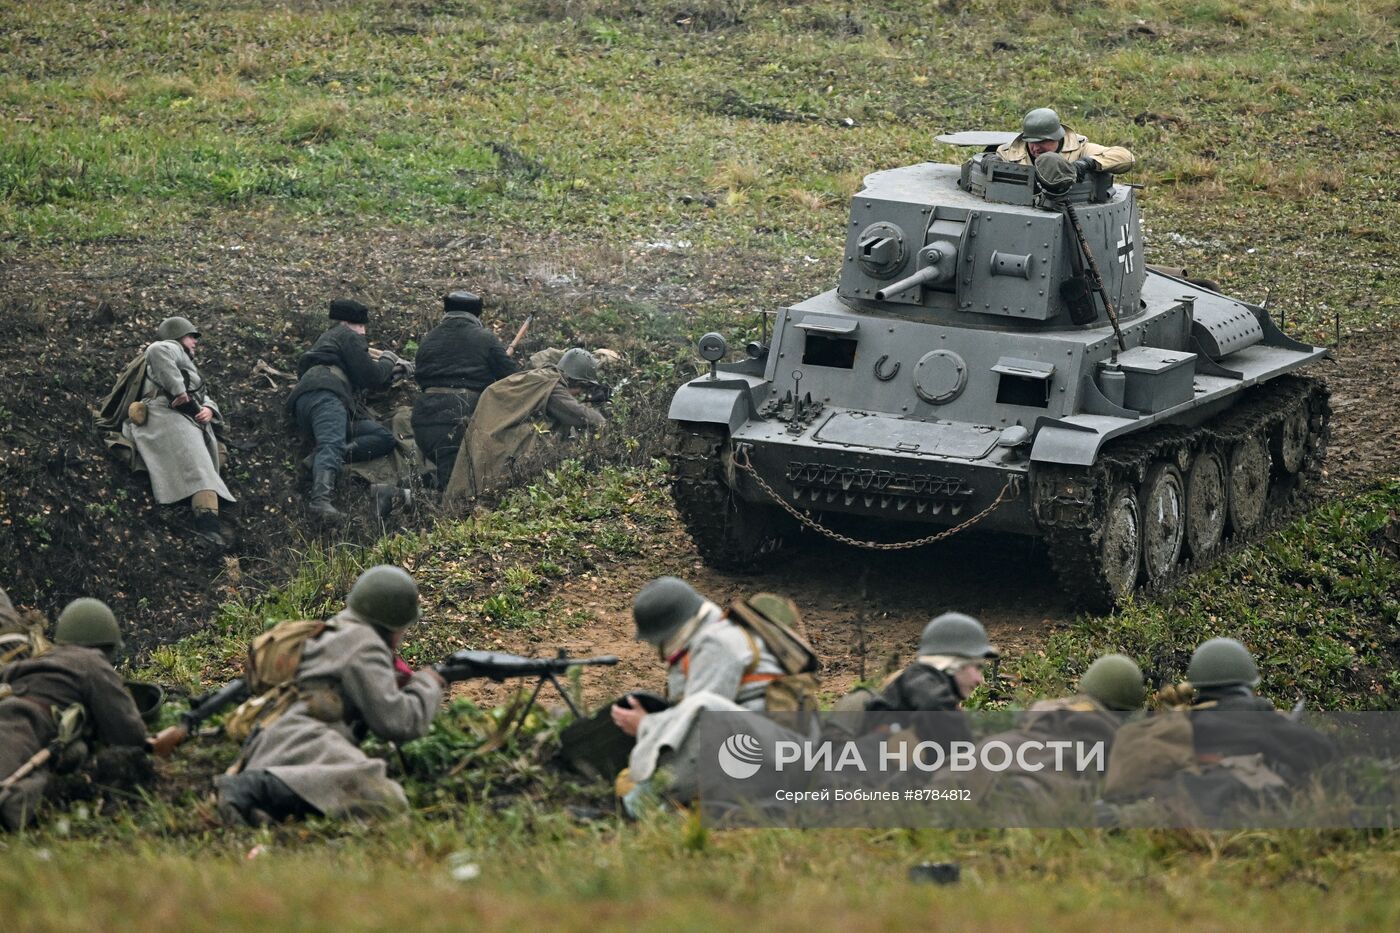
<point x="1232" y="749"/>
<point x="1032" y="776"/>
<point x="1114" y="159"/>
<point x="65" y="675"/>
<point x="513" y="418"/>
<point x="347" y="684"/>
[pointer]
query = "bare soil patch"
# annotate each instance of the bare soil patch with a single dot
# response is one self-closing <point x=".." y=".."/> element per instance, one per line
<point x="73" y="523"/>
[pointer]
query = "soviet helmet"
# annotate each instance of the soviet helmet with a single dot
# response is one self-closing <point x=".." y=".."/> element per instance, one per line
<point x="1222" y="662"/>
<point x="386" y="597"/>
<point x="958" y="635"/>
<point x="662" y="607"/>
<point x="173" y="328"/>
<point x="578" y="365"/>
<point x="1054" y="173"/>
<point x="1114" y="680"/>
<point x="1041" y="124"/>
<point x="88" y="622"/>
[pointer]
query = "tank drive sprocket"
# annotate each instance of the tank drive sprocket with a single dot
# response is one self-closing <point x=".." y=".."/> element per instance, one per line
<point x="730" y="533"/>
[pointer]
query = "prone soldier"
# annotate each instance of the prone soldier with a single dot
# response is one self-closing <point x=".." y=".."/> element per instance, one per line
<point x="746" y="658"/>
<point x="303" y="756"/>
<point x="54" y="700"/>
<point x="1218" y="745"/>
<point x="325" y="401"/>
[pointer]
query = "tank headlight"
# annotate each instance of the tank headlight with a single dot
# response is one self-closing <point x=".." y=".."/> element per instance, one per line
<point x="713" y="348"/>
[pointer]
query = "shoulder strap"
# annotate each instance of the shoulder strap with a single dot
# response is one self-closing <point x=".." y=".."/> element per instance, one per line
<point x="749" y="675"/>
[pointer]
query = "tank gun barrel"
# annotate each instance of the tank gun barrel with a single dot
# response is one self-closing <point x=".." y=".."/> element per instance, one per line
<point x="925" y="276"/>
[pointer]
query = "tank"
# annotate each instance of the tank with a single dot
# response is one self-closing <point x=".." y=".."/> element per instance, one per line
<point x="995" y="355"/>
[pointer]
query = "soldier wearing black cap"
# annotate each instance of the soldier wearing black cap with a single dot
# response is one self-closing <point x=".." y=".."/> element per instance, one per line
<point x="333" y="372"/>
<point x="456" y="360"/>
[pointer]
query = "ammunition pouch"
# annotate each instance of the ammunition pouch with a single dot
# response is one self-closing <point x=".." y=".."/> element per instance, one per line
<point x="259" y="712"/>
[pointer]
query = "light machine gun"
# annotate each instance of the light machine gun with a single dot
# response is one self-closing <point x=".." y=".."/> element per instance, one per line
<point x="500" y="667"/>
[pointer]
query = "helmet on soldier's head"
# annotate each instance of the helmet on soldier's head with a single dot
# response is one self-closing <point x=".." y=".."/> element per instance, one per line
<point x="578" y="365"/>
<point x="173" y="328"/>
<point x="386" y="597"/>
<point x="1114" y="680"/>
<point x="1054" y="173"/>
<point x="1041" y="124"/>
<point x="956" y="634"/>
<point x="88" y="622"/>
<point x="662" y="607"/>
<point x="1222" y="662"/>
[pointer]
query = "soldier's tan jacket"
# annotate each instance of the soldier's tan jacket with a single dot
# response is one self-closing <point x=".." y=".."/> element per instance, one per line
<point x="1114" y="159"/>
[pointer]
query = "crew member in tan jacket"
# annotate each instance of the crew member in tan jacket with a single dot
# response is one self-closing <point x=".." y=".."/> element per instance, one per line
<point x="1042" y="132"/>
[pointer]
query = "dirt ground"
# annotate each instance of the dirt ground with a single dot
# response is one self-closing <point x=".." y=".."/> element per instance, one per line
<point x="73" y="523"/>
<point x="863" y="607"/>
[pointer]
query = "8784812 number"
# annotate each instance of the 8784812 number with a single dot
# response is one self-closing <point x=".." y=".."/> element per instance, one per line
<point x="939" y="794"/>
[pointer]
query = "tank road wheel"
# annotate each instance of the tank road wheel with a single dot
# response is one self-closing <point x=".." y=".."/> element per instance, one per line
<point x="1249" y="483"/>
<point x="1206" y="497"/>
<point x="1120" y="548"/>
<point x="1163" y="521"/>
<point x="730" y="533"/>
<point x="1288" y="441"/>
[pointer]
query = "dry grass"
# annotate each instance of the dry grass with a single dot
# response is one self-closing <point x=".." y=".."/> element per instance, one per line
<point x="811" y="200"/>
<point x="317" y="122"/>
<point x="735" y="175"/>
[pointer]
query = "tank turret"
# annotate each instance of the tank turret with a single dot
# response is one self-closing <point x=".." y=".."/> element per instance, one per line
<point x="1000" y="352"/>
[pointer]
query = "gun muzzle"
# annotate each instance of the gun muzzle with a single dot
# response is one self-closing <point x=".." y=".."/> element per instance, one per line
<point x="939" y="262"/>
<point x="924" y="276"/>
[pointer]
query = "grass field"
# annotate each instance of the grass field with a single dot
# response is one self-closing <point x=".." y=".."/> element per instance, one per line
<point x="1265" y="131"/>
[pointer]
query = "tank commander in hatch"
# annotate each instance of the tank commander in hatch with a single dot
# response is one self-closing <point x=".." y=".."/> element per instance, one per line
<point x="1042" y="132"/>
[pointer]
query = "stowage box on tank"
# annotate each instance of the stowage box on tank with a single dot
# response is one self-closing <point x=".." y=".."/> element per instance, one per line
<point x="966" y="367"/>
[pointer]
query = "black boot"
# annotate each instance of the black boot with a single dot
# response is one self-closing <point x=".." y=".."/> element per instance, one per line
<point x="319" y="502"/>
<point x="257" y="798"/>
<point x="206" y="525"/>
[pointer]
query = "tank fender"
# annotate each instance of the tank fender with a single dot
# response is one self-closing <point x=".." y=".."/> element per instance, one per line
<point x="1065" y="442"/>
<point x="707" y="401"/>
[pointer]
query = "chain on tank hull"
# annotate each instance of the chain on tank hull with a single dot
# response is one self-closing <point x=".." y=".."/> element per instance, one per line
<point x="961" y="375"/>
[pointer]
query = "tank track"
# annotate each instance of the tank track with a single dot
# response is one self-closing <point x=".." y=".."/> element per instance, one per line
<point x="1070" y="504"/>
<point x="729" y="533"/>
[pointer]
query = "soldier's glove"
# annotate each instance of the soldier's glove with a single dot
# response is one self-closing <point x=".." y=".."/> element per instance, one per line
<point x="1084" y="166"/>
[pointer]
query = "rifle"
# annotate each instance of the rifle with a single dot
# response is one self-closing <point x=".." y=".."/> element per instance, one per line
<point x="499" y="666"/>
<point x="201" y="708"/>
<point x="1095" y="279"/>
<point x="519" y="335"/>
<point x="70" y="728"/>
